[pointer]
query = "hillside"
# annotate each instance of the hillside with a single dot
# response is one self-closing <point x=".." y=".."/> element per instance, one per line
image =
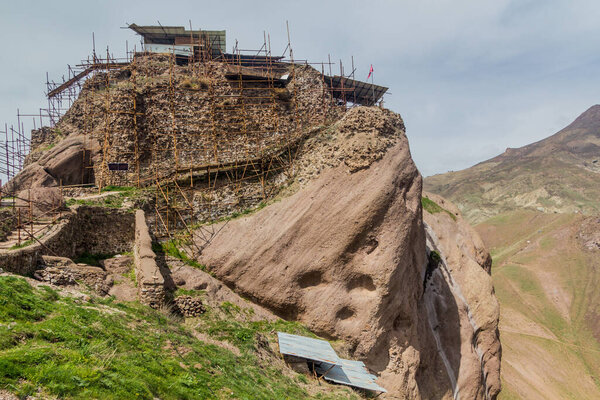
<point x="530" y="207"/>
<point x="546" y="276"/>
<point x="64" y="345"/>
<point x="557" y="174"/>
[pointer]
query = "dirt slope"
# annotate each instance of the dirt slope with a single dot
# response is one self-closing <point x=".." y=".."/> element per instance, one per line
<point x="558" y="174"/>
<point x="346" y="255"/>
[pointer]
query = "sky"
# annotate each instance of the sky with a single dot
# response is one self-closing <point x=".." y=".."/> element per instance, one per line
<point x="470" y="78"/>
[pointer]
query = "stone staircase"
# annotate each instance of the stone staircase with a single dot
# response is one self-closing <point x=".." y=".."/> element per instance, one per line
<point x="40" y="228"/>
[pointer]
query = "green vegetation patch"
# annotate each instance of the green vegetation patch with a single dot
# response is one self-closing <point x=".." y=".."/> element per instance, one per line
<point x="103" y="350"/>
<point x="123" y="189"/>
<point x="190" y="292"/>
<point x="23" y="244"/>
<point x="433" y="208"/>
<point x="115" y="200"/>
<point x="173" y="248"/>
<point x="112" y="201"/>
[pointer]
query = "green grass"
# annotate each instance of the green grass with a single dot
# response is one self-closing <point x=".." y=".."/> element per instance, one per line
<point x="123" y="189"/>
<point x="191" y="292"/>
<point x="433" y="208"/>
<point x="105" y="350"/>
<point x="131" y="275"/>
<point x="23" y="244"/>
<point x="173" y="248"/>
<point x="46" y="148"/>
<point x="113" y="201"/>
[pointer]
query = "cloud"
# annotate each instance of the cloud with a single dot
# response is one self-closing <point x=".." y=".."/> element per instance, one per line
<point x="470" y="78"/>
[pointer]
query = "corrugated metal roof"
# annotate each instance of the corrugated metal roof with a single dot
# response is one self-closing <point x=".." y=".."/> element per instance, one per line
<point x="358" y="92"/>
<point x="334" y="369"/>
<point x="351" y="373"/>
<point x="311" y="349"/>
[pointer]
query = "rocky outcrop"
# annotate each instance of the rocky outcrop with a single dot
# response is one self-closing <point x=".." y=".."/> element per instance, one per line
<point x="40" y="201"/>
<point x="458" y="282"/>
<point x="33" y="175"/>
<point x="346" y="255"/>
<point x="67" y="163"/>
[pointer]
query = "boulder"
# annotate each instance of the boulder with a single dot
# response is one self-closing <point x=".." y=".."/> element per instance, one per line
<point x="33" y="175"/>
<point x="45" y="201"/>
<point x="68" y="162"/>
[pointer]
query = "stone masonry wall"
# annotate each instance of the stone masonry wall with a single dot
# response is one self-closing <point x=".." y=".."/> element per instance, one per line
<point x="92" y="230"/>
<point x="151" y="284"/>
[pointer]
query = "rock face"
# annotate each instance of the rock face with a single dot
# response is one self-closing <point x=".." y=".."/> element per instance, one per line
<point x="462" y="274"/>
<point x="346" y="255"/>
<point x="68" y="163"/>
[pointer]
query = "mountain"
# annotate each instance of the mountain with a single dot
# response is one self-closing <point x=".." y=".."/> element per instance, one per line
<point x="546" y="271"/>
<point x="529" y="207"/>
<point x="558" y="174"/>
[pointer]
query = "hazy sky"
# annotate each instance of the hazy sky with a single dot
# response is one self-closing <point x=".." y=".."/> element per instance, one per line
<point x="470" y="78"/>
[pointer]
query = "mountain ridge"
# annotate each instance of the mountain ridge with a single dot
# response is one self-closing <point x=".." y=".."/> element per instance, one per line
<point x="555" y="174"/>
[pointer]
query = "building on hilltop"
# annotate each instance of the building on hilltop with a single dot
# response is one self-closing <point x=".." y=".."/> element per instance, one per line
<point x="210" y="132"/>
<point x="181" y="42"/>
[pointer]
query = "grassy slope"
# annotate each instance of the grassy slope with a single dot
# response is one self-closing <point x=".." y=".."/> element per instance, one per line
<point x="62" y="347"/>
<point x="546" y="288"/>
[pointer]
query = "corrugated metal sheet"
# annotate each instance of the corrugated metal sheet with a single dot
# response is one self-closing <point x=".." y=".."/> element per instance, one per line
<point x="311" y="349"/>
<point x="334" y="369"/>
<point x="358" y="92"/>
<point x="351" y="373"/>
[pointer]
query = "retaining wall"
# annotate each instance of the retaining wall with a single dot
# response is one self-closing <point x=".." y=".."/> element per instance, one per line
<point x="86" y="229"/>
<point x="151" y="283"/>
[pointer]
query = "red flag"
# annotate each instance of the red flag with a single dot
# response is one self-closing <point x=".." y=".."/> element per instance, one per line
<point x="370" y="71"/>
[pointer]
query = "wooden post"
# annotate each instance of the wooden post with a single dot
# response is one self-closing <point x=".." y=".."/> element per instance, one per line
<point x="30" y="213"/>
<point x="18" y="227"/>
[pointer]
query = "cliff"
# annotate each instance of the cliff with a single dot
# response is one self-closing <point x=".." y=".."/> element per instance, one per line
<point x="347" y="256"/>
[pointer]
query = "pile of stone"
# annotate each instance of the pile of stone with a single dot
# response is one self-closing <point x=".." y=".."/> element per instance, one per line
<point x="59" y="276"/>
<point x="189" y="306"/>
<point x="62" y="271"/>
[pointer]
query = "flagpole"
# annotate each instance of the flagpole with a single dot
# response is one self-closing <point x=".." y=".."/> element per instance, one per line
<point x="373" y="86"/>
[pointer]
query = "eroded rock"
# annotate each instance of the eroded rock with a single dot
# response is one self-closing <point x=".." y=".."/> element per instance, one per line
<point x="471" y="347"/>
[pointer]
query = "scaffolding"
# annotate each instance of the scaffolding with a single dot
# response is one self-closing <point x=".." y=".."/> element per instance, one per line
<point x="28" y="219"/>
<point x="218" y="154"/>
